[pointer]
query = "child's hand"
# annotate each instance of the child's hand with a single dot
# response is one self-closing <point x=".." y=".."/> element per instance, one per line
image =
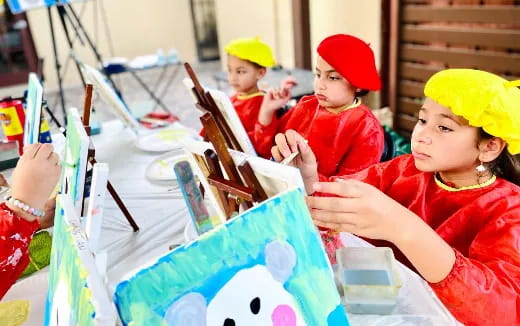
<point x="276" y="98"/>
<point x="36" y="175"/>
<point x="3" y="182"/>
<point x="288" y="82"/>
<point x="273" y="100"/>
<point x="291" y="142"/>
<point x="361" y="209"/>
<point x="48" y="219"/>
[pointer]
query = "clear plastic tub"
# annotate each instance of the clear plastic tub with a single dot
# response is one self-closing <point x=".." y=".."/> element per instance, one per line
<point x="370" y="279"/>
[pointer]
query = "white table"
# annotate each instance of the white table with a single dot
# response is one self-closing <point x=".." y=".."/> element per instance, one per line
<point x="161" y="215"/>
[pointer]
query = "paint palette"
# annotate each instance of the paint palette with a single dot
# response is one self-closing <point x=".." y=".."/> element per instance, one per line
<point x="161" y="169"/>
<point x="164" y="140"/>
<point x="370" y="279"/>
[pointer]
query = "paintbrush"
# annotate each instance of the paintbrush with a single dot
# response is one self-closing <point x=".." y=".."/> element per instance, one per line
<point x="289" y="158"/>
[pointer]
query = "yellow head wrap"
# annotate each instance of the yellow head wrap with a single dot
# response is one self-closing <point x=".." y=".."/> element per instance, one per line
<point x="251" y="49"/>
<point x="484" y="99"/>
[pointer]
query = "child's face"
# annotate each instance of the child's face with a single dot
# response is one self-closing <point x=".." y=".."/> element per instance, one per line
<point x="243" y="76"/>
<point x="332" y="90"/>
<point x="444" y="142"/>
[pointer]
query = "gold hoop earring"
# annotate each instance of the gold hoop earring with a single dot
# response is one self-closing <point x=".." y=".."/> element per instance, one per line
<point x="481" y="168"/>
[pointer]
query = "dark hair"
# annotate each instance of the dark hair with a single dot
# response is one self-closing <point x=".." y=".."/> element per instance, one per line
<point x="506" y="165"/>
<point x="256" y="65"/>
<point x="361" y="92"/>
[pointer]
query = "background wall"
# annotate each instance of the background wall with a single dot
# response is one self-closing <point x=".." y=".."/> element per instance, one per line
<point x="359" y="18"/>
<point x="269" y="19"/>
<point x="136" y="27"/>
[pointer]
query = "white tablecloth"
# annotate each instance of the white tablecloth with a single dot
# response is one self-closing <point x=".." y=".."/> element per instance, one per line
<point x="161" y="214"/>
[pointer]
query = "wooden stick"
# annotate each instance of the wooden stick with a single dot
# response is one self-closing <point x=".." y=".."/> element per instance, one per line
<point x="193" y="77"/>
<point x="87" y="105"/>
<point x="233" y="188"/>
<point x="119" y="202"/>
<point x="252" y="181"/>
<point x="219" y="144"/>
<point x="224" y="126"/>
<point x="214" y="168"/>
<point x="207" y="103"/>
<point x="92" y="154"/>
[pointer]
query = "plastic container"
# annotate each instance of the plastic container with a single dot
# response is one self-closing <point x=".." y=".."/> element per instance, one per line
<point x="370" y="279"/>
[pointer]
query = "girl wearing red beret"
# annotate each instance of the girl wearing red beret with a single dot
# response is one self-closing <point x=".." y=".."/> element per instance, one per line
<point x="342" y="132"/>
<point x="451" y="210"/>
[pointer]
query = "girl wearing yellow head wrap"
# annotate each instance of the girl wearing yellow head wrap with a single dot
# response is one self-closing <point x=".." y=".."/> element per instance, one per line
<point x="451" y="210"/>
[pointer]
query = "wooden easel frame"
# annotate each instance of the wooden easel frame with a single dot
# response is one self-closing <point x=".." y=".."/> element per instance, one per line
<point x="242" y="186"/>
<point x="91" y="158"/>
<point x="206" y="103"/>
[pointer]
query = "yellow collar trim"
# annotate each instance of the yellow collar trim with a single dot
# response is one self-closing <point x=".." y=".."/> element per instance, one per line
<point x="477" y="186"/>
<point x="248" y="96"/>
<point x="357" y="102"/>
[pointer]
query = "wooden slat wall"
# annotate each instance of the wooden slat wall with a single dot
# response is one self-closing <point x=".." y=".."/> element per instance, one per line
<point x="440" y="34"/>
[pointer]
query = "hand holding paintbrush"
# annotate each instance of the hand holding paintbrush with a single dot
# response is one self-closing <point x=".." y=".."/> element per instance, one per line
<point x="291" y="148"/>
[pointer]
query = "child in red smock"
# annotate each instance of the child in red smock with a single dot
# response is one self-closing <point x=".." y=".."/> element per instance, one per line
<point x="451" y="210"/>
<point x="33" y="180"/>
<point x="247" y="60"/>
<point x="343" y="133"/>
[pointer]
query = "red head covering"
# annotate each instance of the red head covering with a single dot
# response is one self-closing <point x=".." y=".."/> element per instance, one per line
<point x="353" y="59"/>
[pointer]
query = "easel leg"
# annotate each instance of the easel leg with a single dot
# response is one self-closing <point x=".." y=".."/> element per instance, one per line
<point x="92" y="46"/>
<point x="149" y="91"/>
<point x="168" y="83"/>
<point x="121" y="206"/>
<point x="57" y="65"/>
<point x="62" y="13"/>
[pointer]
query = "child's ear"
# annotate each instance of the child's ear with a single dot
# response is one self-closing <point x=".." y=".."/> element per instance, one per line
<point x="490" y="149"/>
<point x="261" y="73"/>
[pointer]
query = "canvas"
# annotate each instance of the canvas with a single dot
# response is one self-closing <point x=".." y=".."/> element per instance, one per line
<point x="110" y="96"/>
<point x="94" y="217"/>
<point x="33" y="110"/>
<point x="74" y="164"/>
<point x="267" y="266"/>
<point x="76" y="293"/>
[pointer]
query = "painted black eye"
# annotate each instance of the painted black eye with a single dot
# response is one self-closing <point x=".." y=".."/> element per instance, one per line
<point x="229" y="322"/>
<point x="255" y="305"/>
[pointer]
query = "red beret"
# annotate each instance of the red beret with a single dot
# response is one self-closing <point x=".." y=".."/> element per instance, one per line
<point x="351" y="58"/>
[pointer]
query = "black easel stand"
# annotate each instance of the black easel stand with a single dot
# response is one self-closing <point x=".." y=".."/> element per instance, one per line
<point x="66" y="13"/>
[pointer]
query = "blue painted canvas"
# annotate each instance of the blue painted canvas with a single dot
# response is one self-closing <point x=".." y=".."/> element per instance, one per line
<point x="75" y="160"/>
<point x="33" y="110"/>
<point x="76" y="293"/>
<point x="266" y="266"/>
<point x="18" y="6"/>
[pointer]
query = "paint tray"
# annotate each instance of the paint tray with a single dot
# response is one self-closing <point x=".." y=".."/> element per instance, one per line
<point x="370" y="279"/>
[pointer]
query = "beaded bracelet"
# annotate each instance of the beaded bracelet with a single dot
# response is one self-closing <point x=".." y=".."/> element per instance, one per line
<point x="24" y="206"/>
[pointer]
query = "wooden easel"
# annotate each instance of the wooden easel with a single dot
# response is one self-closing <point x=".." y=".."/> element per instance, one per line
<point x="242" y="186"/>
<point x="91" y="158"/>
<point x="206" y="103"/>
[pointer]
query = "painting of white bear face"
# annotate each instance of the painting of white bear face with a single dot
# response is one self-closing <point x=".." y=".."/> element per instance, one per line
<point x="265" y="267"/>
<point x="253" y="297"/>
